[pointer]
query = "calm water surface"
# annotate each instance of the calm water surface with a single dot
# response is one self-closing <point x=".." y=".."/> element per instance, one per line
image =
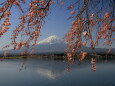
<point x="53" y="73"/>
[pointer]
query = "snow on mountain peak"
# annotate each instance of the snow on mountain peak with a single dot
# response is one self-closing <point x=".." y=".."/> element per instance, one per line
<point x="51" y="40"/>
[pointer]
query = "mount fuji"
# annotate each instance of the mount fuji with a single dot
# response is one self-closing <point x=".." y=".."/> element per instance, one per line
<point x="52" y="44"/>
<point x="52" y="40"/>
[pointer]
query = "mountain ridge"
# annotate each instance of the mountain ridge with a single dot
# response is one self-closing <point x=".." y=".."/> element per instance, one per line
<point x="54" y="44"/>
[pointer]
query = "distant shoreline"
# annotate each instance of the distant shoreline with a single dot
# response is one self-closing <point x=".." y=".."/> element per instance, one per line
<point x="58" y="56"/>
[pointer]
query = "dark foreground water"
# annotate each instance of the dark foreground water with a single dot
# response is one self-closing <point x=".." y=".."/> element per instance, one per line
<point x="53" y="73"/>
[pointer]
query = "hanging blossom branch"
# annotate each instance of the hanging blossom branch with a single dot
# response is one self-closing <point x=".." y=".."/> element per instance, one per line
<point x="30" y="24"/>
<point x="91" y="16"/>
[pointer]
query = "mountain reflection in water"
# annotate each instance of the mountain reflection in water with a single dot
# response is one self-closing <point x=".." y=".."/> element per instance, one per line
<point x="53" y="73"/>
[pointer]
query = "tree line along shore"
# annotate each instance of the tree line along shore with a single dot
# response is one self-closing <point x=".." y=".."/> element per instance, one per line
<point x="56" y="56"/>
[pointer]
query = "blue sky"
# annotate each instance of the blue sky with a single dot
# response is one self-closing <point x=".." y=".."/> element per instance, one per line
<point x="56" y="23"/>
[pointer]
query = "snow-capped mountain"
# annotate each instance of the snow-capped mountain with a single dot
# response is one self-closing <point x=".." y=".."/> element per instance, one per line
<point x="52" y="40"/>
<point x="52" y="44"/>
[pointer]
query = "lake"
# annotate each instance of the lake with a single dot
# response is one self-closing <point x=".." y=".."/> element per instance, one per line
<point x="35" y="72"/>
